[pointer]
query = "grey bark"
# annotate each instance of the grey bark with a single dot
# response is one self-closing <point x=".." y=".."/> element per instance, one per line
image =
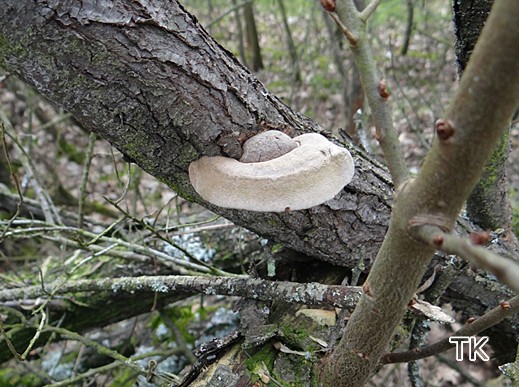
<point x="152" y="82"/>
<point x="253" y="45"/>
<point x="488" y="205"/>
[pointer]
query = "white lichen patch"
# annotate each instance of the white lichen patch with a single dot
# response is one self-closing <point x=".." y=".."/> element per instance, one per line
<point x="159" y="286"/>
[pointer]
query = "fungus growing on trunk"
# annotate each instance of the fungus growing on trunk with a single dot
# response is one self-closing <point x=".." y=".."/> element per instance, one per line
<point x="312" y="171"/>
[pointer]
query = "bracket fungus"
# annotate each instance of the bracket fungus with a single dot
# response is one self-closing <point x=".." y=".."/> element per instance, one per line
<point x="308" y="173"/>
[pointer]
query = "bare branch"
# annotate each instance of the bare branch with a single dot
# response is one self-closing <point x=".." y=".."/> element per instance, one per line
<point x="38" y="227"/>
<point x="369" y="9"/>
<point x="374" y="87"/>
<point x="86" y="170"/>
<point x="491" y="318"/>
<point x="104" y="369"/>
<point x="506" y="270"/>
<point x="466" y="137"/>
<point x="159" y="378"/>
<point x="311" y="294"/>
<point x="47" y="205"/>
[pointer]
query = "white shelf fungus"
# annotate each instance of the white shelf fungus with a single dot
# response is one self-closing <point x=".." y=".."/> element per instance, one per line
<point x="308" y="175"/>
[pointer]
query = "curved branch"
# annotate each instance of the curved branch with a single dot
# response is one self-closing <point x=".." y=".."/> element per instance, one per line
<point x="506" y="270"/>
<point x="493" y="317"/>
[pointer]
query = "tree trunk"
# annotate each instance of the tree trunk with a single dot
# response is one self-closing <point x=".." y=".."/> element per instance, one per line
<point x="239" y="32"/>
<point x="253" y="45"/>
<point x="290" y="44"/>
<point x="188" y="97"/>
<point x="488" y="205"/>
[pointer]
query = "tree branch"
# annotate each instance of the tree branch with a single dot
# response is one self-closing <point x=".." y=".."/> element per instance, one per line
<point x="506" y="270"/>
<point x="486" y="99"/>
<point x="159" y="378"/>
<point x="154" y="106"/>
<point x="491" y="318"/>
<point x="311" y="294"/>
<point x="368" y="11"/>
<point x="374" y="86"/>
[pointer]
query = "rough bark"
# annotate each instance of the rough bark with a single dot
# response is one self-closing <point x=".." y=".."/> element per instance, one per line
<point x="488" y="205"/>
<point x="147" y="78"/>
<point x="469" y="19"/>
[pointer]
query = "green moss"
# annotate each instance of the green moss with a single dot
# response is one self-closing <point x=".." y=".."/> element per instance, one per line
<point x="299" y="338"/>
<point x="183" y="318"/>
<point x="265" y="356"/>
<point x="294" y="367"/>
<point x="494" y="166"/>
<point x="277" y="248"/>
<point x="10" y="377"/>
<point x="7" y="48"/>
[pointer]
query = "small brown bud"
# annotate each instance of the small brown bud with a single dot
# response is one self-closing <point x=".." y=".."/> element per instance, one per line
<point x="328" y="5"/>
<point x="366" y="289"/>
<point x="444" y="129"/>
<point x="378" y="134"/>
<point x="479" y="238"/>
<point x="382" y="89"/>
<point x="505" y="305"/>
<point x="438" y="241"/>
<point x="470" y="320"/>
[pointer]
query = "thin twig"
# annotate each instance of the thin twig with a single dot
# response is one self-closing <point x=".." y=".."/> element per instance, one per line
<point x="10" y="345"/>
<point x="226" y="12"/>
<point x="103" y="369"/>
<point x="506" y="270"/>
<point x="49" y="210"/>
<point x="36" y="335"/>
<point x="84" y="179"/>
<point x="159" y="236"/>
<point x="13" y="176"/>
<point x="369" y="10"/>
<point x="489" y="319"/>
<point x="97" y="346"/>
<point x="146" y="250"/>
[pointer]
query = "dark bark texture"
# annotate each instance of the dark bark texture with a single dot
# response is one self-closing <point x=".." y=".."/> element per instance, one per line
<point x="469" y="19"/>
<point x="488" y="205"/>
<point x="145" y="76"/>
